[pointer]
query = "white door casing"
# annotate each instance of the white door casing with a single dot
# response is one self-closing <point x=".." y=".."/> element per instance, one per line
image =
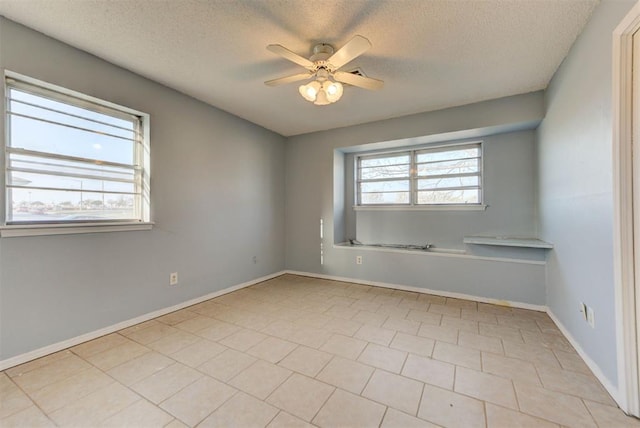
<point x="626" y="135"/>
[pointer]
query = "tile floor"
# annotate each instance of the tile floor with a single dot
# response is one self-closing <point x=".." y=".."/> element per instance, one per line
<point x="296" y="352"/>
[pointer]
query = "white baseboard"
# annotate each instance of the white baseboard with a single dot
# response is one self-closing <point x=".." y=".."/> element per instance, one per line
<point x="521" y="305"/>
<point x="611" y="389"/>
<point x="55" y="347"/>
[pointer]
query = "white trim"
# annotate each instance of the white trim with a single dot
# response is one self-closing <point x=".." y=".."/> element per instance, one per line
<point x="611" y="389"/>
<point x="507" y="241"/>
<point x="71" y="93"/>
<point x="508" y="303"/>
<point x="141" y="144"/>
<point x="50" y="349"/>
<point x="408" y="145"/>
<point x="13" y="231"/>
<point x="623" y="248"/>
<point x="443" y="252"/>
<point x="469" y="207"/>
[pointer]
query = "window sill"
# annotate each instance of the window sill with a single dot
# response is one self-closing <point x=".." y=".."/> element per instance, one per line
<point x="421" y="208"/>
<point x="17" y="230"/>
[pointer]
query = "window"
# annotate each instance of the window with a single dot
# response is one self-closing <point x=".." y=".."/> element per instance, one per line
<point x="70" y="158"/>
<point x="445" y="175"/>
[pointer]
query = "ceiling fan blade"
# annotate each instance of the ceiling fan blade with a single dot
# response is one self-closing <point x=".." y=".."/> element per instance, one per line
<point x="289" y="79"/>
<point x="291" y="56"/>
<point x="359" y="81"/>
<point x="354" y="48"/>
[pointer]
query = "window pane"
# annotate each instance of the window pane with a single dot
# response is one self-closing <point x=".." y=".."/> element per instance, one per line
<point x="471" y="196"/>
<point x="62" y="166"/>
<point x="384" y="198"/>
<point x="391" y="171"/>
<point x="449" y="167"/>
<point x="404" y="158"/>
<point x="35" y="181"/>
<point x="385" y="186"/>
<point x="19" y="95"/>
<point x="55" y="206"/>
<point x="437" y="175"/>
<point x="438" y="183"/>
<point x="32" y="111"/>
<point x="58" y="152"/>
<point x="39" y="136"/>
<point x="460" y="153"/>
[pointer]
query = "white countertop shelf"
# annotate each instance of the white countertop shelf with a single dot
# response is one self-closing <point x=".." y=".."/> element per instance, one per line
<point x="507" y="241"/>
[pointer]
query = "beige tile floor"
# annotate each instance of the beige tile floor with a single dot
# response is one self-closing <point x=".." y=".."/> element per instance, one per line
<point x="296" y="352"/>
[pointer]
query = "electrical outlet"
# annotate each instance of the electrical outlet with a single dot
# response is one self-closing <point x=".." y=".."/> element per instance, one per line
<point x="591" y="318"/>
<point x="358" y="260"/>
<point x="173" y="278"/>
<point x="583" y="311"/>
<point x="255" y="260"/>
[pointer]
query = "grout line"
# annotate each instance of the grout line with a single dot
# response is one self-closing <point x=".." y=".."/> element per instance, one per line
<point x="142" y="397"/>
<point x="277" y="387"/>
<point x="33" y="402"/>
<point x="404" y="361"/>
<point x="590" y="413"/>
<point x="531" y="415"/>
<point x="367" y="382"/>
<point x="384" y="415"/>
<point x="326" y="399"/>
<point x="484" y="411"/>
<point x="214" y="410"/>
<point x="274" y="416"/>
<point x="424" y="386"/>
<point x="455" y="377"/>
<point x="515" y="395"/>
<point x="393" y="374"/>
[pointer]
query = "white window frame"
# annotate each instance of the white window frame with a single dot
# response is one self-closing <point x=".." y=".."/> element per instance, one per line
<point x="141" y="160"/>
<point x="413" y="177"/>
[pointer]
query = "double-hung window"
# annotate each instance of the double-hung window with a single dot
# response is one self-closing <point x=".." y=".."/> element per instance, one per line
<point x="444" y="175"/>
<point x="71" y="158"/>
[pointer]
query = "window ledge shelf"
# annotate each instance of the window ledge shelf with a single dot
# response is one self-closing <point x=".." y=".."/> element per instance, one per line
<point x="438" y="252"/>
<point x="507" y="241"/>
<point x="12" y="231"/>
<point x="399" y="248"/>
<point x="421" y="208"/>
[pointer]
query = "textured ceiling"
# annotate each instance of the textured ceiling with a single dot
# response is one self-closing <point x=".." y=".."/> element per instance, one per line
<point x="432" y="54"/>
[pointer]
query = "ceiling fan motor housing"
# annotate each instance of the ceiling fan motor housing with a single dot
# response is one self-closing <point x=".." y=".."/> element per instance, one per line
<point x="322" y="52"/>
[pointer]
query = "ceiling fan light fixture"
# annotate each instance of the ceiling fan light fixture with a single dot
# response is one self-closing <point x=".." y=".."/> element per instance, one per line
<point x="310" y="91"/>
<point x="321" y="94"/>
<point x="333" y="89"/>
<point x="321" y="99"/>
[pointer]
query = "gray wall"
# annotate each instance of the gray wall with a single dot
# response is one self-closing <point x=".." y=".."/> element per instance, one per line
<point x="217" y="201"/>
<point x="509" y="192"/>
<point x="575" y="187"/>
<point x="313" y="193"/>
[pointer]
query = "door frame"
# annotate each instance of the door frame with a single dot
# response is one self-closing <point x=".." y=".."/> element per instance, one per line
<point x="626" y="306"/>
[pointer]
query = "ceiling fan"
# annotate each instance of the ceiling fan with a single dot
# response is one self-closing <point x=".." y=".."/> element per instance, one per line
<point x="324" y="67"/>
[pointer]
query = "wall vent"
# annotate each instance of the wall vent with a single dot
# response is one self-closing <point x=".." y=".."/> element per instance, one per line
<point x="358" y="72"/>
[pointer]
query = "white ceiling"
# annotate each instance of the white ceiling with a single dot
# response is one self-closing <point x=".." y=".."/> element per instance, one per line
<point x="432" y="54"/>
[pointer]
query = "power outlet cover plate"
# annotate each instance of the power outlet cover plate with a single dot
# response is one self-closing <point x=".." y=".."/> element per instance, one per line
<point x="173" y="278"/>
<point x="591" y="318"/>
